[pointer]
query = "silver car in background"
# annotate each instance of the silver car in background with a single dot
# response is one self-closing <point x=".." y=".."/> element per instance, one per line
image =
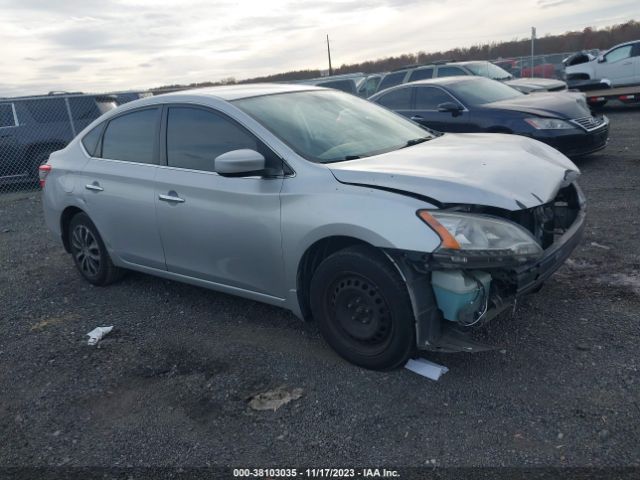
<point x="393" y="238"/>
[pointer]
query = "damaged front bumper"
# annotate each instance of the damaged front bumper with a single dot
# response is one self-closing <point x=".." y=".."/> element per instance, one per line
<point x="435" y="332"/>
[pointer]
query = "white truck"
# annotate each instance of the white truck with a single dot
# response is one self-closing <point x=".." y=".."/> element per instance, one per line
<point x="613" y="75"/>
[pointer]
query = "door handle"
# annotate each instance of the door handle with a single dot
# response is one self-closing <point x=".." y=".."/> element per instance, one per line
<point x="627" y="63"/>
<point x="417" y="118"/>
<point x="171" y="197"/>
<point x="95" y="186"/>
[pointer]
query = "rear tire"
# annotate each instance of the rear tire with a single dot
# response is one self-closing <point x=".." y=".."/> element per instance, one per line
<point x="363" y="308"/>
<point x="90" y="254"/>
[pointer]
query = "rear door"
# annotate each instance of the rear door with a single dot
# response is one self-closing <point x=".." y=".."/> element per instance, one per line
<point x="220" y="229"/>
<point x="119" y="189"/>
<point x="399" y="100"/>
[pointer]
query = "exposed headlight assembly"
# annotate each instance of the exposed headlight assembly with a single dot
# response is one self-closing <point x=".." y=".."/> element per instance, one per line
<point x="548" y="123"/>
<point x="479" y="240"/>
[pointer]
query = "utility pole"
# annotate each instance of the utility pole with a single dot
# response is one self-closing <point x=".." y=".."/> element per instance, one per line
<point x="329" y="54"/>
<point x="533" y="38"/>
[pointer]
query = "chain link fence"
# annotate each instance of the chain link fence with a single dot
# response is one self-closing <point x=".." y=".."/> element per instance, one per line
<point x="33" y="127"/>
<point x="546" y="66"/>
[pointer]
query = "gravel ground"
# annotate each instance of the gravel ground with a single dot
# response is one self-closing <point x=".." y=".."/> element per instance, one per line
<point x="170" y="385"/>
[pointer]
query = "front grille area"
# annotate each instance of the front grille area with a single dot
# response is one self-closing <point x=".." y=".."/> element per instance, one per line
<point x="549" y="221"/>
<point x="589" y="123"/>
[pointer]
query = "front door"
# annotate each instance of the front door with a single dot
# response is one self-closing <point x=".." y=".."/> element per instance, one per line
<point x="618" y="66"/>
<point x="425" y="111"/>
<point x="220" y="229"/>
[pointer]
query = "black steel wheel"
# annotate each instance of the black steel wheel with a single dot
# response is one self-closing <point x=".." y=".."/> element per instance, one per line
<point x="89" y="252"/>
<point x="363" y="308"/>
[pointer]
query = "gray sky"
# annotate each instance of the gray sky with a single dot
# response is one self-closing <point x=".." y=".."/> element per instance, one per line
<point x="102" y="45"/>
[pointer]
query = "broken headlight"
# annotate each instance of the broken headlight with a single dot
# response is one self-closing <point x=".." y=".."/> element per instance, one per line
<point x="480" y="240"/>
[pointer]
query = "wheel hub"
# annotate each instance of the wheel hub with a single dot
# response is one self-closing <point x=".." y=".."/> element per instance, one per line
<point x="85" y="250"/>
<point x="360" y="310"/>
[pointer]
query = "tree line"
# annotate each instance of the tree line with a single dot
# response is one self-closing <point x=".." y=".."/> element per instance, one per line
<point x="587" y="39"/>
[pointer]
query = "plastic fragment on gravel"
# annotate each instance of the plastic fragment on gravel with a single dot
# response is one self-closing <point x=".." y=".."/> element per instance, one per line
<point x="426" y="368"/>
<point x="274" y="399"/>
<point x="98" y="334"/>
<point x="597" y="245"/>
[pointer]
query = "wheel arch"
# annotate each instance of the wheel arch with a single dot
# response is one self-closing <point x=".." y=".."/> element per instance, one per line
<point x="65" y="219"/>
<point x="312" y="257"/>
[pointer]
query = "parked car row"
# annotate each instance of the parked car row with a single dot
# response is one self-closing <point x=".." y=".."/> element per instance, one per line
<point x="472" y="68"/>
<point x="477" y="104"/>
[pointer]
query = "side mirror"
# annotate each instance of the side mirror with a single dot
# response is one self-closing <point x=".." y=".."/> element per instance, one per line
<point x="451" y="107"/>
<point x="601" y="59"/>
<point x="239" y="163"/>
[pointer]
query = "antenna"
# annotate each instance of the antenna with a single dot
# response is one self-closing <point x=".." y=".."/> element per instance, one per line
<point x="329" y="54"/>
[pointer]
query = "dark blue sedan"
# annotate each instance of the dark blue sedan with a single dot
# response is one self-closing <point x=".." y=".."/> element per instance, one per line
<point x="477" y="104"/>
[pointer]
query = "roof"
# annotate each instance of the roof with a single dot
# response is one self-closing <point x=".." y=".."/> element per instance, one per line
<point x="451" y="80"/>
<point x="235" y="92"/>
<point x="444" y="81"/>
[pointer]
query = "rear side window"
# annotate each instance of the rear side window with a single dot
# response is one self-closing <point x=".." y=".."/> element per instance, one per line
<point x="195" y="137"/>
<point x="48" y="110"/>
<point x="91" y="139"/>
<point x="132" y="137"/>
<point x="348" y="86"/>
<point x="83" y="108"/>
<point x="399" y="99"/>
<point x="391" y="80"/>
<point x="450" y="71"/>
<point x="6" y="115"/>
<point x="428" y="98"/>
<point x="421" y="74"/>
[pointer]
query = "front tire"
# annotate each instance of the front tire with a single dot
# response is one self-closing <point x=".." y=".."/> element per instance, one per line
<point x="89" y="252"/>
<point x="363" y="308"/>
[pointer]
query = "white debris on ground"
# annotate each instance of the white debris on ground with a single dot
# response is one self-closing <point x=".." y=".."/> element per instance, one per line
<point x="98" y="334"/>
<point x="426" y="368"/>
<point x="274" y="399"/>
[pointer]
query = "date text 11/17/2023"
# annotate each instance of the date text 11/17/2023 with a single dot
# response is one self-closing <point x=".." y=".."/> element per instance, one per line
<point x="315" y="473"/>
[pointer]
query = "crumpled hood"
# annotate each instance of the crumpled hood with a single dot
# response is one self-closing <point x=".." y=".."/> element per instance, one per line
<point x="565" y="105"/>
<point x="497" y="170"/>
<point x="546" y="83"/>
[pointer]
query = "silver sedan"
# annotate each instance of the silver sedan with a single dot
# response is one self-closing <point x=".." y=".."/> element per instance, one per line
<point x="392" y="237"/>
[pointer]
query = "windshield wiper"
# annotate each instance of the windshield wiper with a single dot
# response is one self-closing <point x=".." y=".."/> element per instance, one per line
<point x="416" y="141"/>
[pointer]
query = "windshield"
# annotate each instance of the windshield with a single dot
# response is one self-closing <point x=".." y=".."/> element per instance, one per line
<point x="489" y="70"/>
<point x="328" y="126"/>
<point x="478" y="91"/>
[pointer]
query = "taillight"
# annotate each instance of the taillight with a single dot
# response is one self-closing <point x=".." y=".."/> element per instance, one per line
<point x="43" y="171"/>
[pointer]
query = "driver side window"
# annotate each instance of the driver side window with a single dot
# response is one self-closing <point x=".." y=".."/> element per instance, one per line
<point x="619" y="54"/>
<point x="196" y="136"/>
